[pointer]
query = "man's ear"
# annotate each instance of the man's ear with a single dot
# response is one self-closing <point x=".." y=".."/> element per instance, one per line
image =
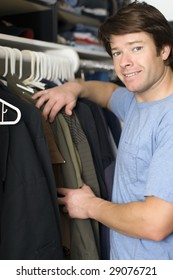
<point x="165" y="52"/>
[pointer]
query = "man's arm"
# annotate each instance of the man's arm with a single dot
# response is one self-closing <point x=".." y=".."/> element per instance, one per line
<point x="151" y="219"/>
<point x="67" y="94"/>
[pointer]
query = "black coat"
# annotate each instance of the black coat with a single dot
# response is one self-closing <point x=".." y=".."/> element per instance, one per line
<point x="29" y="215"/>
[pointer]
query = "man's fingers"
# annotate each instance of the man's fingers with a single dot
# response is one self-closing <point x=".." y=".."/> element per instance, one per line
<point x="62" y="191"/>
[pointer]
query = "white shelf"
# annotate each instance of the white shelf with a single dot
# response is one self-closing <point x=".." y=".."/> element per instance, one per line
<point x="31" y="44"/>
<point x="38" y="45"/>
<point x="87" y="53"/>
<point x="96" y="59"/>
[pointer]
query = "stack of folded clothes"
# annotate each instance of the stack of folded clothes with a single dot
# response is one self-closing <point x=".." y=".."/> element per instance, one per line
<point x="85" y="35"/>
<point x="82" y="35"/>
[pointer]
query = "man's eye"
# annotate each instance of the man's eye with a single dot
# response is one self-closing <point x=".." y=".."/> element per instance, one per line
<point x="115" y="54"/>
<point x="137" y="49"/>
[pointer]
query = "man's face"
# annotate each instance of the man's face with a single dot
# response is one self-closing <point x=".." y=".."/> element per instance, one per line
<point x="137" y="63"/>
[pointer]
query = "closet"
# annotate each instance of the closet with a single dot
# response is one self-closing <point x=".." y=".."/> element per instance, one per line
<point x="37" y="157"/>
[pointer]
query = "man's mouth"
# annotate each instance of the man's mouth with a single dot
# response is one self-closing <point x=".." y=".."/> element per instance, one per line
<point x="128" y="75"/>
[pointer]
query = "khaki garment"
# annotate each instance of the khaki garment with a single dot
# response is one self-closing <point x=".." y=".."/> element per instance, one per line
<point x="82" y="245"/>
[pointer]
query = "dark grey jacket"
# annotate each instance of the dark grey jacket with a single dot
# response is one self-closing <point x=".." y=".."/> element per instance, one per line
<point x="29" y="215"/>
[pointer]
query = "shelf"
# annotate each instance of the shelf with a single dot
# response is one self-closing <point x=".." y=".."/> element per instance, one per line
<point x="90" y="54"/>
<point x="75" y="18"/>
<point x="38" y="15"/>
<point x="38" y="45"/>
<point x="84" y="51"/>
<point x="12" y="7"/>
<point x="31" y="44"/>
<point x="41" y="46"/>
<point x="21" y="42"/>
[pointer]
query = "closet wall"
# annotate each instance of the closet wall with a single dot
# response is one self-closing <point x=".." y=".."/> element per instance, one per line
<point x="164" y="6"/>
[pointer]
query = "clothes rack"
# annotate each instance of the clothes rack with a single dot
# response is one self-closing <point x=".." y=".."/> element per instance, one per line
<point x="96" y="65"/>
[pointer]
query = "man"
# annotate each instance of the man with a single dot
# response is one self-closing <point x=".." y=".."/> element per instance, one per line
<point x="140" y="216"/>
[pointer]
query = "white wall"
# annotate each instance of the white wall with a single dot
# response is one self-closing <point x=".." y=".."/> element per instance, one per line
<point x="165" y="6"/>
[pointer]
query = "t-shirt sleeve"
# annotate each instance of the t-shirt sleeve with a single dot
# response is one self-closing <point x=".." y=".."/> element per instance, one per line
<point x="120" y="102"/>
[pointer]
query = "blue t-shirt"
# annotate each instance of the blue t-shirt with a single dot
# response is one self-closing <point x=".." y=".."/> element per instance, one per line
<point x="144" y="167"/>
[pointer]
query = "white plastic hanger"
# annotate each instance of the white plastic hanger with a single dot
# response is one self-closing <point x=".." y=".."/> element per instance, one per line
<point x="29" y="56"/>
<point x="5" y="106"/>
<point x="5" y="55"/>
<point x="69" y="62"/>
<point x="52" y="65"/>
<point x="18" y="61"/>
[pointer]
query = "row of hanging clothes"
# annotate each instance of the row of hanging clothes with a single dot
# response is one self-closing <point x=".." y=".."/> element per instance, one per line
<point x="36" y="157"/>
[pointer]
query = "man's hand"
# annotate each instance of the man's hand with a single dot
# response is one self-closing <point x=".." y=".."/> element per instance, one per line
<point x="54" y="99"/>
<point x="76" y="202"/>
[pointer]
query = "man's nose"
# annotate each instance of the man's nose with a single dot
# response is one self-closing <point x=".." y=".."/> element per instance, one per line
<point x="126" y="60"/>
